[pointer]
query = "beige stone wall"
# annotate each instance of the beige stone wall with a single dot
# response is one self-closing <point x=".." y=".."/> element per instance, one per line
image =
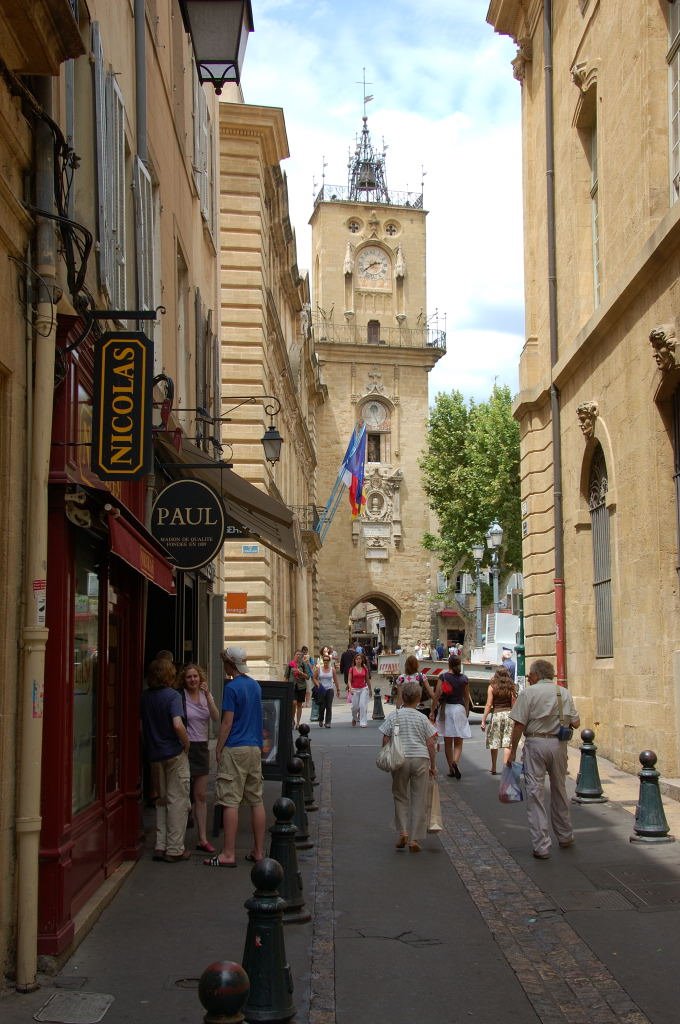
<point x="610" y="68"/>
<point x="393" y="371"/>
<point x="265" y="350"/>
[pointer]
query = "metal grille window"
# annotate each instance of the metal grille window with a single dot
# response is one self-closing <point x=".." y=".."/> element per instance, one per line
<point x="602" y="582"/>
<point x="673" y="59"/>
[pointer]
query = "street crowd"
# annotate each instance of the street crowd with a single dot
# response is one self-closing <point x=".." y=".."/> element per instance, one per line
<point x="177" y="709"/>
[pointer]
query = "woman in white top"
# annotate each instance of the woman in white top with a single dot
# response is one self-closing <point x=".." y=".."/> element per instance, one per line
<point x="200" y="708"/>
<point x="326" y="680"/>
<point x="410" y="781"/>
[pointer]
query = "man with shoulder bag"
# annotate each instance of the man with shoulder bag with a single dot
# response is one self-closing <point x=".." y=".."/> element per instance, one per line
<point x="546" y="716"/>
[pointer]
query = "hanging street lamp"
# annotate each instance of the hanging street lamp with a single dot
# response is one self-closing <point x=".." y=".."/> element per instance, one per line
<point x="219" y="32"/>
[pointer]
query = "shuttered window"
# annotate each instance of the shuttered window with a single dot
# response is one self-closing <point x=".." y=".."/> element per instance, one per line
<point x="602" y="582"/>
<point x="676" y="461"/>
<point x="204" y="155"/>
<point x="144" y="229"/>
<point x="673" y="59"/>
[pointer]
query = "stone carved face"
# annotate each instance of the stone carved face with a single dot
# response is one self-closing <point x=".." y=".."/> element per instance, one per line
<point x="587" y="414"/>
<point x="662" y="340"/>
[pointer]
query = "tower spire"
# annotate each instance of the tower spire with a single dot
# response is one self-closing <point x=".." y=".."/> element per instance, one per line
<point x="367" y="169"/>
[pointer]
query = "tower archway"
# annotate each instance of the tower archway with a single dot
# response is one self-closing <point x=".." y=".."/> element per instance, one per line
<point x="375" y="616"/>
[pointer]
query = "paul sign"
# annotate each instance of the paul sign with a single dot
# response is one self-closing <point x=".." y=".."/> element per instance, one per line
<point x="122" y="406"/>
<point x="188" y="520"/>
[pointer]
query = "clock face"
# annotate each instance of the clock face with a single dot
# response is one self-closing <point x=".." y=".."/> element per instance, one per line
<point x="373" y="265"/>
<point x="374" y="414"/>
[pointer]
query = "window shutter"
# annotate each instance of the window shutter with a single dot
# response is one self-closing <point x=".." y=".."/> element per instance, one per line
<point x="103" y="226"/>
<point x="116" y="152"/>
<point x="143" y="199"/>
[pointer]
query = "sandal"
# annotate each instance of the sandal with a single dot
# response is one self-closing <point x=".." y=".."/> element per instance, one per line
<point x="402" y="841"/>
<point x="215" y="862"/>
<point x="414" y="846"/>
<point x="206" y="847"/>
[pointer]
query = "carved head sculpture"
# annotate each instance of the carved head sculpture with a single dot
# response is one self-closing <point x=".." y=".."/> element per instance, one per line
<point x="662" y="340"/>
<point x="587" y="414"/>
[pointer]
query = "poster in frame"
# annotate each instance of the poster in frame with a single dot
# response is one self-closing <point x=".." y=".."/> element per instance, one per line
<point x="277" y="724"/>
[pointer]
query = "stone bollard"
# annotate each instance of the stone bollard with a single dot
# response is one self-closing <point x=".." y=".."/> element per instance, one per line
<point x="293" y="786"/>
<point x="302" y="749"/>
<point x="588" y="785"/>
<point x="264" y="953"/>
<point x="307" y="732"/>
<point x="650" y="821"/>
<point x="223" y="989"/>
<point x="378" y="712"/>
<point x="283" y="850"/>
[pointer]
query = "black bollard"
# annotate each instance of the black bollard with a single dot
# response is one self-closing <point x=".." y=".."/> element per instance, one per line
<point x="650" y="820"/>
<point x="588" y="785"/>
<point x="378" y="713"/>
<point x="302" y="748"/>
<point x="264" y="953"/>
<point x="283" y="850"/>
<point x="306" y="731"/>
<point x="223" y="989"/>
<point x="293" y="786"/>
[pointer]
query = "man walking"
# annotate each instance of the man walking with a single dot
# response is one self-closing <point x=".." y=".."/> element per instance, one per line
<point x="538" y="713"/>
<point x="346" y="661"/>
<point x="239" y="758"/>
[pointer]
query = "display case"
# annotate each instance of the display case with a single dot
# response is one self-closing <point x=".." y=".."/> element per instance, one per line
<point x="277" y="726"/>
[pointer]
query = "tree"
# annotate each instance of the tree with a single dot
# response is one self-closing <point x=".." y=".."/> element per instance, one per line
<point x="471" y="477"/>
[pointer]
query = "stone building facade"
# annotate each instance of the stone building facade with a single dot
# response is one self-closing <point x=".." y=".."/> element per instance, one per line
<point x="266" y="351"/>
<point x="374" y="350"/>
<point x="599" y="404"/>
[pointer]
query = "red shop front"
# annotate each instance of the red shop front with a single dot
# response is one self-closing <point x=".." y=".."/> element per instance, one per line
<point x="101" y="561"/>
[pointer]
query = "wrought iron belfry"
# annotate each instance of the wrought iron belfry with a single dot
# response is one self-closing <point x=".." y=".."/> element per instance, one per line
<point x="367" y="171"/>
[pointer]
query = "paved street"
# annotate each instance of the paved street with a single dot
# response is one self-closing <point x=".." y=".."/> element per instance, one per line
<point x="471" y="928"/>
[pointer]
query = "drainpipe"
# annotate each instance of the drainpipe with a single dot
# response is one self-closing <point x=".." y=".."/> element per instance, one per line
<point x="560" y="615"/>
<point x="34" y="633"/>
<point x="140" y="79"/>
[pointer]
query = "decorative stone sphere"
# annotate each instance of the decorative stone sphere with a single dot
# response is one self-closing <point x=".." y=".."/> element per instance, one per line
<point x="587" y="735"/>
<point x="304" y="729"/>
<point x="302" y="744"/>
<point x="647" y="758"/>
<point x="284" y="809"/>
<point x="267" y="874"/>
<point x="295" y="766"/>
<point x="223" y="989"/>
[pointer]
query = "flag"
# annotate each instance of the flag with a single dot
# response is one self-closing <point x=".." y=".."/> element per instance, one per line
<point x="352" y="470"/>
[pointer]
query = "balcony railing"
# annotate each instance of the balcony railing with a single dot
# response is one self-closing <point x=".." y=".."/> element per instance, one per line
<point x="327" y="332"/>
<point x="341" y="194"/>
<point x="308" y="516"/>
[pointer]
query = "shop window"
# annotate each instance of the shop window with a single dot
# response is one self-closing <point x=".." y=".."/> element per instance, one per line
<point x="602" y="583"/>
<point x="85" y="664"/>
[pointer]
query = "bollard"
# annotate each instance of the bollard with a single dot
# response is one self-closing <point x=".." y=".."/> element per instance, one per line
<point x="378" y="713"/>
<point x="306" y="731"/>
<point x="223" y="989"/>
<point x="283" y="850"/>
<point x="650" y="821"/>
<point x="588" y="785"/>
<point x="302" y="749"/>
<point x="264" y="953"/>
<point x="293" y="786"/>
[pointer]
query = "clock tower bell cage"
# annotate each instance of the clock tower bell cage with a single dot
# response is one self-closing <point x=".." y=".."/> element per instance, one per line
<point x="375" y="351"/>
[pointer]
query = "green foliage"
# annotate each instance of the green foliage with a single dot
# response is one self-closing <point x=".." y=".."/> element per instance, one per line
<point x="471" y="477"/>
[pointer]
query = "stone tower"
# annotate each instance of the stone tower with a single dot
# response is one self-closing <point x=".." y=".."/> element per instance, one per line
<point x="375" y="351"/>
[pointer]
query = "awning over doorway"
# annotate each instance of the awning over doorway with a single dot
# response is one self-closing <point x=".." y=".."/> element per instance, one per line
<point x="261" y="517"/>
<point x="133" y="548"/>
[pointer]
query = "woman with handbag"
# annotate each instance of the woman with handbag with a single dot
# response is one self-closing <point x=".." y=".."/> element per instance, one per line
<point x="500" y="699"/>
<point x="410" y="779"/>
<point x="452" y="703"/>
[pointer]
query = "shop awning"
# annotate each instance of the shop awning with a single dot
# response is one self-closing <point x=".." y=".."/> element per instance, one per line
<point x="133" y="548"/>
<point x="261" y="517"/>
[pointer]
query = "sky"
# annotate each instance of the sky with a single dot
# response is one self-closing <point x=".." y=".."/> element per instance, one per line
<point x="446" y="103"/>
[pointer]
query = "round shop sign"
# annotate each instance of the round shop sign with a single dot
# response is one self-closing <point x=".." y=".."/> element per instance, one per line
<point x="188" y="520"/>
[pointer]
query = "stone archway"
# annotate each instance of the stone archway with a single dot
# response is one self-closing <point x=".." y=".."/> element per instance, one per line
<point x="376" y="614"/>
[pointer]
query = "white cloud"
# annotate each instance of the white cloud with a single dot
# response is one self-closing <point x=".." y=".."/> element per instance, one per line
<point x="446" y="101"/>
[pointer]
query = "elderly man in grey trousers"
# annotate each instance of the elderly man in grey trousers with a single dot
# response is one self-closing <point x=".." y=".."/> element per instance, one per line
<point x="538" y="713"/>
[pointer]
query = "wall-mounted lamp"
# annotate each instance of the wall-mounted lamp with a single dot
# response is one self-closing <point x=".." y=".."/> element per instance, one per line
<point x="219" y="32"/>
<point x="271" y="439"/>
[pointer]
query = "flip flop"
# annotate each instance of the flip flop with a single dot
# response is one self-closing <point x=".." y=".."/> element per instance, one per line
<point x="206" y="847"/>
<point x="251" y="856"/>
<point x="215" y="862"/>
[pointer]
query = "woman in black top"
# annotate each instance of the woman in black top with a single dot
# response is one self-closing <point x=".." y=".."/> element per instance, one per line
<point x="450" y="710"/>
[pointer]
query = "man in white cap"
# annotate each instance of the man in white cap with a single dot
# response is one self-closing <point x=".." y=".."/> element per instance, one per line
<point x="239" y="758"/>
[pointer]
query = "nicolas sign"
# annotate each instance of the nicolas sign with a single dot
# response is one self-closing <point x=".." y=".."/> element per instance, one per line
<point x="188" y="520"/>
<point x="121" y="406"/>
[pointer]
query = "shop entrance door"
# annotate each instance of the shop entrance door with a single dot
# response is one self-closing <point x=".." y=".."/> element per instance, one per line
<point x="116" y="685"/>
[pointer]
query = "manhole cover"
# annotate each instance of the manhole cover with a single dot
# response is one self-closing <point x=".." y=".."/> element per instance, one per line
<point x="646" y="888"/>
<point x="74" y="1008"/>
<point x="602" y="899"/>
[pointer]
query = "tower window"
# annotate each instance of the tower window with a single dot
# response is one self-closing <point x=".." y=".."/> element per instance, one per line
<point x="354" y="226"/>
<point x="373" y="332"/>
<point x="391" y="229"/>
<point x="373" y="448"/>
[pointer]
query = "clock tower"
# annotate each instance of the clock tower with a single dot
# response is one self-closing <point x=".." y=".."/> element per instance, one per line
<point x="369" y="318"/>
